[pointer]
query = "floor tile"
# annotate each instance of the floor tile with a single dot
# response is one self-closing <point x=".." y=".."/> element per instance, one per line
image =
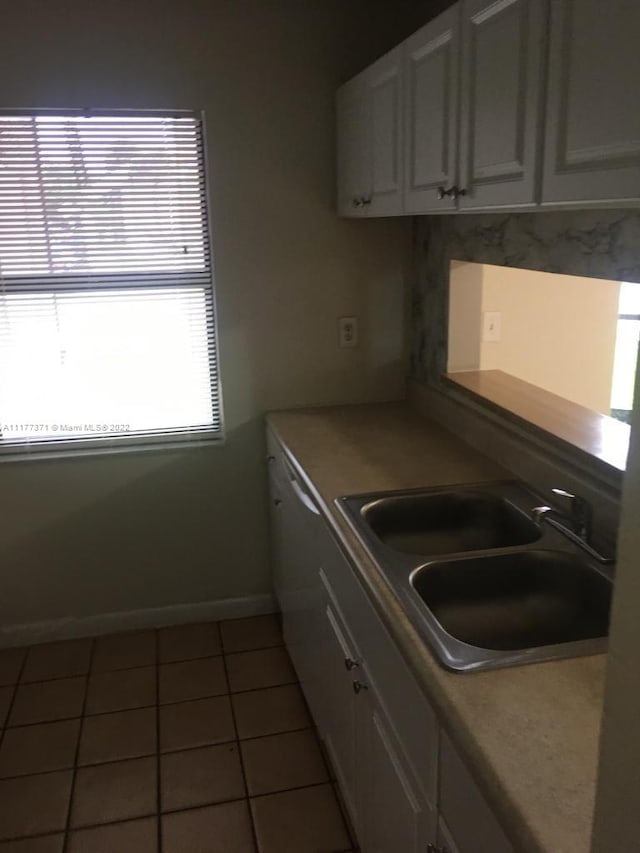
<point x="257" y="632"/>
<point x="43" y="844"/>
<point x="280" y="762"/>
<point x="48" y="700"/>
<point x="57" y="660"/>
<point x="10" y="665"/>
<point x="264" y="668"/>
<point x="270" y="711"/>
<point x="133" y="836"/>
<point x="36" y="749"/>
<point x="186" y="642"/>
<point x="112" y="792"/>
<point x="121" y="690"/>
<point x="6" y="694"/>
<point x="224" y="828"/>
<point x="198" y="777"/>
<point x="195" y="679"/>
<point x="34" y="805"/>
<point x="197" y="723"/>
<point x="113" y="737"/>
<point x="124" y="651"/>
<point x="306" y="820"/>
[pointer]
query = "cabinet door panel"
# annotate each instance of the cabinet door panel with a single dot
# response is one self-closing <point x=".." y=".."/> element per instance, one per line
<point x="384" y="84"/>
<point x="431" y="113"/>
<point x="394" y="817"/>
<point x="468" y="817"/>
<point x="445" y="839"/>
<point x="405" y="702"/>
<point x="353" y="153"/>
<point x="338" y="702"/>
<point x="502" y="72"/>
<point x="592" y="150"/>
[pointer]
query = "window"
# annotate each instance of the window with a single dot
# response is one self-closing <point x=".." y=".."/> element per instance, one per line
<point x="624" y="365"/>
<point x="107" y="331"/>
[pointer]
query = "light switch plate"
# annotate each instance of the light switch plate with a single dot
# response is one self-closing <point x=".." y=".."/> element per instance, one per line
<point x="491" y="326"/>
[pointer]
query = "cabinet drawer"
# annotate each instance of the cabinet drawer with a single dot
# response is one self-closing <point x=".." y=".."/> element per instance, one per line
<point x="405" y="703"/>
<point x="467" y="816"/>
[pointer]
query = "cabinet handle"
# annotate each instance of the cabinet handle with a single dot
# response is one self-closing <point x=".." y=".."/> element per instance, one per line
<point x="365" y="201"/>
<point x="271" y="459"/>
<point x="277" y="501"/>
<point x="357" y="202"/>
<point x="350" y="664"/>
<point x="453" y="192"/>
<point x="358" y="687"/>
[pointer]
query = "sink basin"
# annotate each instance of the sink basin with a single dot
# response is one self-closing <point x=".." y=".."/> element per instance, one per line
<point x="483" y="584"/>
<point x="448" y="522"/>
<point x="517" y="601"/>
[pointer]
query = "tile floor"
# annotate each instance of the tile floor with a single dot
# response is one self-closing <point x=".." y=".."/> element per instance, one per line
<point x="190" y="739"/>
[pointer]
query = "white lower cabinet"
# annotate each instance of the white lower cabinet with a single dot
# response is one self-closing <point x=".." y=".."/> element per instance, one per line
<point x="403" y="783"/>
<point x="338" y="727"/>
<point x="394" y="814"/>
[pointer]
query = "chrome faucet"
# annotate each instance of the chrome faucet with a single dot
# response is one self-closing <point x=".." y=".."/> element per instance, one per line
<point x="579" y="518"/>
<point x="576" y="524"/>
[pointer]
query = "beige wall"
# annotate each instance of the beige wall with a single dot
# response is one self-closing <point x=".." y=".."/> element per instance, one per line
<point x="465" y="316"/>
<point x="617" y="818"/>
<point x="86" y="536"/>
<point x="557" y="331"/>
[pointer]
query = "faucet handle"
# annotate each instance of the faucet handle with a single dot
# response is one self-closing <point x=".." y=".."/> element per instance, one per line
<point x="581" y="513"/>
<point x="564" y="494"/>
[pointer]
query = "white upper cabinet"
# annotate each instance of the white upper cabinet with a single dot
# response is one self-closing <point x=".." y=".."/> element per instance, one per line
<point x="384" y="85"/>
<point x="455" y="118"/>
<point x="369" y="118"/>
<point x="353" y="147"/>
<point x="502" y="72"/>
<point x="431" y="61"/>
<point x="592" y="151"/>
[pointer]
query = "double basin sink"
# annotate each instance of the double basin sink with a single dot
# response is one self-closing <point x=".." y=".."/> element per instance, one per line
<point x="484" y="583"/>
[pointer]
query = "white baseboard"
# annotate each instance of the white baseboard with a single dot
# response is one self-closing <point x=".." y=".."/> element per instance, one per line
<point x="132" y="620"/>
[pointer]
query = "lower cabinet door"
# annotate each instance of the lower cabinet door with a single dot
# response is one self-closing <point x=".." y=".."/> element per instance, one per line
<point x="338" y="705"/>
<point x="394" y="816"/>
<point x="470" y="822"/>
<point x="446" y="844"/>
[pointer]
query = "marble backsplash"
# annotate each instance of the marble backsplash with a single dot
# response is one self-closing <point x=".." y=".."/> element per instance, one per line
<point x="604" y="244"/>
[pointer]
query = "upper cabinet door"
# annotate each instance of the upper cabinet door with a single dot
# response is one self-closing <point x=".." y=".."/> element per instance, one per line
<point x="503" y="56"/>
<point x="592" y="151"/>
<point x="431" y="60"/>
<point x="369" y="117"/>
<point x="353" y="146"/>
<point x="384" y="86"/>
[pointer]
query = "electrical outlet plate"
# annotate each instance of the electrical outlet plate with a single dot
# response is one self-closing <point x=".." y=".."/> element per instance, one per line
<point x="348" y="331"/>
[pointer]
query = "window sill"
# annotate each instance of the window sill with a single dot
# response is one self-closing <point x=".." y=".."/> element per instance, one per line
<point x="92" y="447"/>
<point x="597" y="435"/>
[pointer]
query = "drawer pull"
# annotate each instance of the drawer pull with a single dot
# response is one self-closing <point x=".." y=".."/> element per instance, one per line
<point x="358" y="687"/>
<point x="350" y="664"/>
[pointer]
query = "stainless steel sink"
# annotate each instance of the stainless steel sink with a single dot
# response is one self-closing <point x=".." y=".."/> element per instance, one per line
<point x="483" y="584"/>
<point x="448" y="521"/>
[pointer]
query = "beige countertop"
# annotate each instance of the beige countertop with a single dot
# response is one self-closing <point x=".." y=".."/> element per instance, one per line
<point x="529" y="734"/>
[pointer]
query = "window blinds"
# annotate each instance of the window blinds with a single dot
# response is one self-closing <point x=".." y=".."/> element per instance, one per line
<point x="106" y="303"/>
